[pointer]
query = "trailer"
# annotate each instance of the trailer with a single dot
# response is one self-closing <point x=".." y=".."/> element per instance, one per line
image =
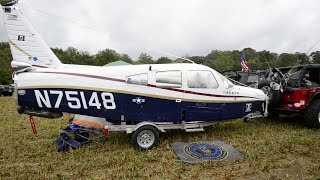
<point x="144" y="135"/>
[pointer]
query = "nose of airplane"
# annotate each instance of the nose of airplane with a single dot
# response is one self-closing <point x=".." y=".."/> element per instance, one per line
<point x="253" y="92"/>
<point x="261" y="95"/>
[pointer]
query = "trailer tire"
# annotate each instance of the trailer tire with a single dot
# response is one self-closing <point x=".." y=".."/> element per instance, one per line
<point x="274" y="95"/>
<point x="312" y="116"/>
<point x="145" y="138"/>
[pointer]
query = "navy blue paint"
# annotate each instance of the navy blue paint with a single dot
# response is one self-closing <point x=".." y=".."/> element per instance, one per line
<point x="153" y="109"/>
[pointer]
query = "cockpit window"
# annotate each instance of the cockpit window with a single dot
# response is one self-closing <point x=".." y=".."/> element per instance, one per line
<point x="226" y="82"/>
<point x="202" y="79"/>
<point x="138" y="79"/>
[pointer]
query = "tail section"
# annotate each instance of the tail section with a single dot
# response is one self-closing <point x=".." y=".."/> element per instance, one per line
<point x="27" y="47"/>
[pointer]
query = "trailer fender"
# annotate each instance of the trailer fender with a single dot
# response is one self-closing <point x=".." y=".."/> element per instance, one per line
<point x="144" y="124"/>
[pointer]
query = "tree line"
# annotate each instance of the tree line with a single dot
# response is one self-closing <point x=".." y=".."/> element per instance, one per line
<point x="218" y="60"/>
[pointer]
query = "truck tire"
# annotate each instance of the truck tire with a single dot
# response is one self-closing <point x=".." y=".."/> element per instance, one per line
<point x="145" y="138"/>
<point x="312" y="115"/>
<point x="274" y="95"/>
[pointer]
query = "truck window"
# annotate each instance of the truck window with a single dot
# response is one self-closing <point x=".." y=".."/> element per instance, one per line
<point x="138" y="79"/>
<point x="202" y="79"/>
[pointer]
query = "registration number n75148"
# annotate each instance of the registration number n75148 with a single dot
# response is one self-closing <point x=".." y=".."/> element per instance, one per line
<point x="75" y="99"/>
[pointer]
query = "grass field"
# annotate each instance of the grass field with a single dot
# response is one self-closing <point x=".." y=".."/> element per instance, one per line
<point x="280" y="148"/>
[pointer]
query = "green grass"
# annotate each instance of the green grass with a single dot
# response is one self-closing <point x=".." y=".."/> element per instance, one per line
<point x="280" y="148"/>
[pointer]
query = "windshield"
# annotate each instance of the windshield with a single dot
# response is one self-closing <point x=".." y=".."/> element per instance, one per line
<point x="227" y="83"/>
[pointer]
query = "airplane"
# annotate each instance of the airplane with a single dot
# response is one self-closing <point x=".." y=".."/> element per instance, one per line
<point x="141" y="100"/>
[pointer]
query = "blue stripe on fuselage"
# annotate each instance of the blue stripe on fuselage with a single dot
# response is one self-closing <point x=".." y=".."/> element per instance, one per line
<point x="134" y="108"/>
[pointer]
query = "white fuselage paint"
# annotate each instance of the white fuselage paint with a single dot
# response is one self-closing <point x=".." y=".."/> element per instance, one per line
<point x="91" y="78"/>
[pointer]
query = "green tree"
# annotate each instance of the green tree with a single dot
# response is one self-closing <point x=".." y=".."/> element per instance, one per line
<point x="164" y="60"/>
<point x="224" y="62"/>
<point x="126" y="58"/>
<point x="250" y="53"/>
<point x="5" y="77"/>
<point x="198" y="59"/>
<point x="5" y="63"/>
<point x="302" y="58"/>
<point x="286" y="59"/>
<point x="73" y="56"/>
<point x="144" y="58"/>
<point x="106" y="56"/>
<point x="254" y="64"/>
<point x="213" y="55"/>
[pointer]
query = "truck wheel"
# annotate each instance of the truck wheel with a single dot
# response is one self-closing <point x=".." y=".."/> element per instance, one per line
<point x="145" y="138"/>
<point x="312" y="116"/>
<point x="274" y="96"/>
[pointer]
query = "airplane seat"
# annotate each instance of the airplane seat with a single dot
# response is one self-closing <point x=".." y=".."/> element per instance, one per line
<point x="192" y="84"/>
<point x="203" y="85"/>
<point x="89" y="121"/>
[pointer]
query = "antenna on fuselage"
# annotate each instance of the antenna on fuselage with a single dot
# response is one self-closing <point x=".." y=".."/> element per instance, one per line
<point x="169" y="54"/>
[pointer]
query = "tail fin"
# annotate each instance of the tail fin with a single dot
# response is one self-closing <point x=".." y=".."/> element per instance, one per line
<point x="27" y="47"/>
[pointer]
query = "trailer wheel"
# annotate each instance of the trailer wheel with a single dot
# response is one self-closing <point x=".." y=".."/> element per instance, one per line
<point x="145" y="138"/>
<point x="312" y="116"/>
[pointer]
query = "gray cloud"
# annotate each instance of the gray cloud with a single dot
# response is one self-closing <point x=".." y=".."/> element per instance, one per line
<point x="190" y="26"/>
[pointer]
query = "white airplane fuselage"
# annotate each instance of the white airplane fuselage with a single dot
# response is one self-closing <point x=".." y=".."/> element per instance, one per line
<point x="135" y="93"/>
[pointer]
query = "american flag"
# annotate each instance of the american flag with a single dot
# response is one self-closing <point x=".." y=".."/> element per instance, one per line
<point x="243" y="62"/>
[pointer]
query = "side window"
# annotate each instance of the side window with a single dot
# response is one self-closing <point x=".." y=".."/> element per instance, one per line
<point x="201" y="79"/>
<point x="169" y="79"/>
<point x="138" y="79"/>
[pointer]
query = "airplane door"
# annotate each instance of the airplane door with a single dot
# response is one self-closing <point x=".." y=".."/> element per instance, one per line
<point x="203" y="102"/>
<point x="162" y="102"/>
<point x="169" y="84"/>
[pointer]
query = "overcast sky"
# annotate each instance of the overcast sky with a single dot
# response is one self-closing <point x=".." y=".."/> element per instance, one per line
<point x="178" y="27"/>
